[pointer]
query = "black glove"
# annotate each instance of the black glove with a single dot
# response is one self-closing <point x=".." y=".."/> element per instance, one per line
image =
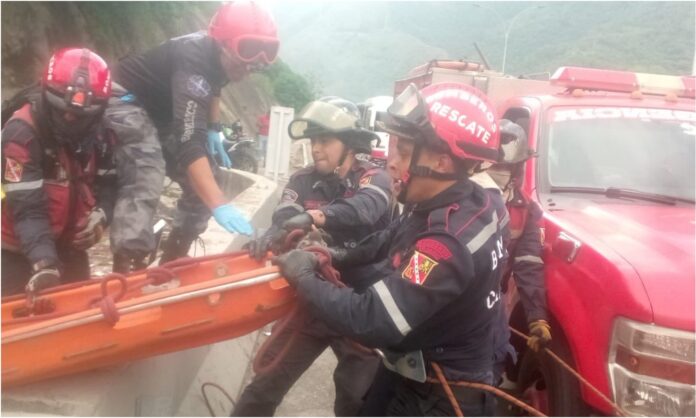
<point x="303" y="221"/>
<point x="42" y="279"/>
<point x="258" y="248"/>
<point x="296" y="265"/>
<point x="92" y="232"/>
<point x="342" y="257"/>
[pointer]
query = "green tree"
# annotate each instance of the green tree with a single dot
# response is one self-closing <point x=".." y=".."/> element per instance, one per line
<point x="289" y="88"/>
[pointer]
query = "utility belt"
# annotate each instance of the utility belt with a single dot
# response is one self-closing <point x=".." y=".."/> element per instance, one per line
<point x="414" y="366"/>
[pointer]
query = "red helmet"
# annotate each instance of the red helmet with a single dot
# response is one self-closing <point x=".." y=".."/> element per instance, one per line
<point x="78" y="80"/>
<point x="246" y="29"/>
<point x="459" y="115"/>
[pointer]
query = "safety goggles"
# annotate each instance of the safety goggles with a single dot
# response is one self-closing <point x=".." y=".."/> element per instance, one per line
<point x="320" y="118"/>
<point x="407" y="117"/>
<point x="254" y="48"/>
<point x="77" y="100"/>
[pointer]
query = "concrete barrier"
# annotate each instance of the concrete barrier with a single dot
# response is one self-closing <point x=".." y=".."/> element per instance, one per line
<point x="170" y="384"/>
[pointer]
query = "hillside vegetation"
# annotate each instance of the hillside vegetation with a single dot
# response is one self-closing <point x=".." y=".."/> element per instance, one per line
<point x="31" y="31"/>
<point x="358" y="49"/>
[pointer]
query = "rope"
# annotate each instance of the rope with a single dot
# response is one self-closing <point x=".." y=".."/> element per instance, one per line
<point x="328" y="273"/>
<point x="257" y="365"/>
<point x="619" y="411"/>
<point x="448" y="389"/>
<point x="205" y="396"/>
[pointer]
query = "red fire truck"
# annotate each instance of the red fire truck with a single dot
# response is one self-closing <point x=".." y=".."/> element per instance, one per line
<point x="614" y="174"/>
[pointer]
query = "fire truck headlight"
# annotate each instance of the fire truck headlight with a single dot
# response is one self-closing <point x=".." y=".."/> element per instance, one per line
<point x="652" y="369"/>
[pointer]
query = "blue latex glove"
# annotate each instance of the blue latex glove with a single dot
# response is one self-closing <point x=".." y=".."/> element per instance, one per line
<point x="232" y="220"/>
<point x="215" y="147"/>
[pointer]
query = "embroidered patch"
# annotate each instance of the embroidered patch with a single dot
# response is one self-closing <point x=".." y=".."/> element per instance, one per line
<point x="13" y="170"/>
<point x="198" y="86"/>
<point x="419" y="267"/>
<point x="365" y="180"/>
<point x="436" y="249"/>
<point x="289" y="196"/>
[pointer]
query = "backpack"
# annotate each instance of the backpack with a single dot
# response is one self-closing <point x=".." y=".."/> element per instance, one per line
<point x="22" y="97"/>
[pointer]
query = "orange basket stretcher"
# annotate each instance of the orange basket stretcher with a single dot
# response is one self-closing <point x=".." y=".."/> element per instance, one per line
<point x="101" y="322"/>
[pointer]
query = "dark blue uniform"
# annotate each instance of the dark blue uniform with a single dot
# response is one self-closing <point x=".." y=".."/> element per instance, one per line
<point x="354" y="207"/>
<point x="440" y="301"/>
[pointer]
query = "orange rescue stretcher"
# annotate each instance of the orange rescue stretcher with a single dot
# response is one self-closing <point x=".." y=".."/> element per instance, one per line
<point x="100" y="322"/>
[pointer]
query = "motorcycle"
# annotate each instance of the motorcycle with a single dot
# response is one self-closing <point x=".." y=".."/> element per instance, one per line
<point x="240" y="148"/>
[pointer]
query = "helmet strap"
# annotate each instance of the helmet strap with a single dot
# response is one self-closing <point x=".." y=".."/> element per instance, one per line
<point x="415" y="170"/>
<point x="421" y="171"/>
<point x="342" y="159"/>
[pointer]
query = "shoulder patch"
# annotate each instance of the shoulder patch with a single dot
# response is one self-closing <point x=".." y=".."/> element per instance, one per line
<point x="13" y="170"/>
<point x="418" y="268"/>
<point x="198" y="86"/>
<point x="434" y="248"/>
<point x="289" y="195"/>
<point x="365" y="180"/>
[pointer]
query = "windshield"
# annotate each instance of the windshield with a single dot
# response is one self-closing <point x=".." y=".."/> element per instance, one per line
<point x="647" y="150"/>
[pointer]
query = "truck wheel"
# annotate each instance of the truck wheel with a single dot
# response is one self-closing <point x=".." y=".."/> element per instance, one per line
<point x="244" y="160"/>
<point x="548" y="386"/>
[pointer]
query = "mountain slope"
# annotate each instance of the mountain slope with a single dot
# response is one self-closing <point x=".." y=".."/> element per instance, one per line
<point x="358" y="49"/>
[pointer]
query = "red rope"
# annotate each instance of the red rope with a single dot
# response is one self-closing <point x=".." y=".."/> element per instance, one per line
<point x="257" y="365"/>
<point x="572" y="371"/>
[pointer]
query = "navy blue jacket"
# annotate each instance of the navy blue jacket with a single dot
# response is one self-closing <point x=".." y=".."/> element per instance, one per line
<point x="442" y="296"/>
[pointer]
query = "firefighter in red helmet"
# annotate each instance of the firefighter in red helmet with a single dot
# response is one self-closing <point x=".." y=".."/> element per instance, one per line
<point x="167" y="119"/>
<point x="439" y="303"/>
<point x="55" y="175"/>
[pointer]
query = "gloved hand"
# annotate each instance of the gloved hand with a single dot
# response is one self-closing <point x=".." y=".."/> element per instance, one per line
<point x="258" y="248"/>
<point x="539" y="335"/>
<point x="303" y="221"/>
<point x="232" y="220"/>
<point x="92" y="232"/>
<point x="215" y="147"/>
<point x="296" y="265"/>
<point x="42" y="279"/>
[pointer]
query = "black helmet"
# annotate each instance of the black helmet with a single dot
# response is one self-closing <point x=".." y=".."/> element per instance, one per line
<point x="336" y="116"/>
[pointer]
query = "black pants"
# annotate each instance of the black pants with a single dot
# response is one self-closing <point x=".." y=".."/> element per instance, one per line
<point x="394" y="395"/>
<point x="16" y="269"/>
<point x="352" y="377"/>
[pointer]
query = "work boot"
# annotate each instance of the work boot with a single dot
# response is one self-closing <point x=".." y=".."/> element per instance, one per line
<point x="126" y="264"/>
<point x="176" y="246"/>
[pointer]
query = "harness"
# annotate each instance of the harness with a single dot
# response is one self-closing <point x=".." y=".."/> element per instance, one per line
<point x="66" y="184"/>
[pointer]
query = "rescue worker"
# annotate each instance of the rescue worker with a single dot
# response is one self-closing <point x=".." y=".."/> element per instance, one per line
<point x="524" y="246"/>
<point x="348" y="199"/>
<point x="439" y="302"/>
<point x="55" y="175"/>
<point x="172" y="93"/>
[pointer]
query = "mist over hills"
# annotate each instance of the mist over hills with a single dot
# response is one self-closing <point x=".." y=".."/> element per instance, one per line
<point x="357" y="49"/>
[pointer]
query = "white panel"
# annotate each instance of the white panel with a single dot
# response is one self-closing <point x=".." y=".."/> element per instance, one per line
<point x="278" y="149"/>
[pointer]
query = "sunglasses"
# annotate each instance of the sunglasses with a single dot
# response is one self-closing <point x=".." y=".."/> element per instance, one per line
<point x="255" y="48"/>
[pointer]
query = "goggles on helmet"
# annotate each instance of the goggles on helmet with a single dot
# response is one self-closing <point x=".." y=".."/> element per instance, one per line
<point x="320" y="118"/>
<point x="407" y="117"/>
<point x="78" y="97"/>
<point x="76" y="100"/>
<point x="254" y="48"/>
